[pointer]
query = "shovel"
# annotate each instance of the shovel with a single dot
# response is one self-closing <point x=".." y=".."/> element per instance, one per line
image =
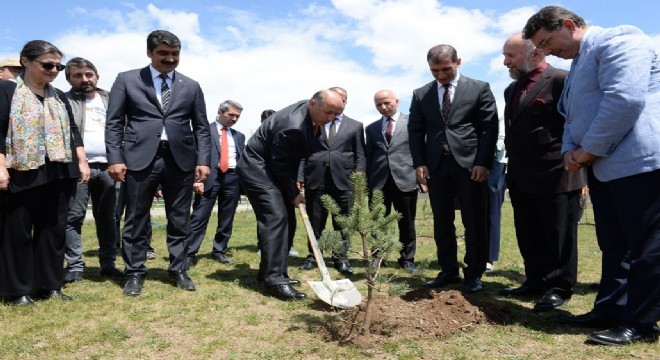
<point x="341" y="293"/>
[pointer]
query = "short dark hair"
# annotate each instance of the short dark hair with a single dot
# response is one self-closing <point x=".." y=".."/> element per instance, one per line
<point x="266" y="113"/>
<point x="158" y="37"/>
<point x="550" y="18"/>
<point x="78" y="62"/>
<point x="439" y="53"/>
<point x="35" y="48"/>
<point x="225" y="105"/>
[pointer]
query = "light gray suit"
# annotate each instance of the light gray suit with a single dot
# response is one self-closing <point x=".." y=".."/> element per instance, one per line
<point x="390" y="169"/>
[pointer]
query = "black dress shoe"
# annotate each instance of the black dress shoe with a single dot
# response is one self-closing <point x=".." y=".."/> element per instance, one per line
<point x="621" y="335"/>
<point x="21" y="301"/>
<point x="112" y="271"/>
<point x="343" y="267"/>
<point x="72" y="276"/>
<point x="523" y="290"/>
<point x="133" y="285"/>
<point x="285" y="292"/>
<point x="443" y="279"/>
<point x="408" y="266"/>
<point x="191" y="261"/>
<point x="472" y="285"/>
<point x="52" y="294"/>
<point x="221" y="258"/>
<point x="549" y="302"/>
<point x="182" y="280"/>
<point x="589" y="319"/>
<point x="309" y="264"/>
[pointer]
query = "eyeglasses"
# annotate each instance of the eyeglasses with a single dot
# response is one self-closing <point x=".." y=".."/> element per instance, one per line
<point x="546" y="42"/>
<point x="50" y="66"/>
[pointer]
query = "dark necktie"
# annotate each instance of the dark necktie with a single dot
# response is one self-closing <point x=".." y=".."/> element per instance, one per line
<point x="333" y="130"/>
<point x="165" y="92"/>
<point x="224" y="151"/>
<point x="446" y="102"/>
<point x="390" y="129"/>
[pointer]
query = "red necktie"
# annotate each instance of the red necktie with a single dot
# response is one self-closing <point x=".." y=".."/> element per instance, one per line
<point x="224" y="151"/>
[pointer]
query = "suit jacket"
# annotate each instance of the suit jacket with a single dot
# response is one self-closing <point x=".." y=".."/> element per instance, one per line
<point x="533" y="138"/>
<point x="239" y="141"/>
<point x="135" y="121"/>
<point x="611" y="102"/>
<point x="344" y="154"/>
<point x="272" y="155"/>
<point x="392" y="158"/>
<point x="471" y="128"/>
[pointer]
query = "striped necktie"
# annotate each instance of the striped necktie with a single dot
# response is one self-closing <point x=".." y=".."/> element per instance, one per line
<point x="165" y="92"/>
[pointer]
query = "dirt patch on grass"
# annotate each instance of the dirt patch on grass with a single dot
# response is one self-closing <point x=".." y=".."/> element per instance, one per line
<point x="421" y="313"/>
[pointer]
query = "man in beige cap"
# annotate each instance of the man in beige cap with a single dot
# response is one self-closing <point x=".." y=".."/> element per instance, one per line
<point x="9" y="68"/>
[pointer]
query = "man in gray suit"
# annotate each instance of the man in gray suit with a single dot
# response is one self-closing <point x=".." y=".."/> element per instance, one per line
<point x="338" y="152"/>
<point x="390" y="169"/>
<point x="453" y="131"/>
<point x="157" y="133"/>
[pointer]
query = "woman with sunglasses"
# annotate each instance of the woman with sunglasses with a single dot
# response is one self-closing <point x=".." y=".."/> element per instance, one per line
<point x="41" y="157"/>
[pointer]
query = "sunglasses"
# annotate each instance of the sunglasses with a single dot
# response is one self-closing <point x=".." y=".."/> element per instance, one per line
<point x="50" y="66"/>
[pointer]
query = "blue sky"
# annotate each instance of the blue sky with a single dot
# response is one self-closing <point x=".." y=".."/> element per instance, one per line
<point x="268" y="54"/>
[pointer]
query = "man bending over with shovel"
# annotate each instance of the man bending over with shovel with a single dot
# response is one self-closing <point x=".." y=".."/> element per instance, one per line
<point x="268" y="172"/>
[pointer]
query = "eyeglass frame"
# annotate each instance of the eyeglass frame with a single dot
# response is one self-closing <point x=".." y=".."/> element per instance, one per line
<point x="49" y="66"/>
<point x="546" y="42"/>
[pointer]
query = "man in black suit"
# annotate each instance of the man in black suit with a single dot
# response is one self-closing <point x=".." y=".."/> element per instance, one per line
<point x="157" y="133"/>
<point x="268" y="171"/>
<point x="222" y="184"/>
<point x="545" y="197"/>
<point x="390" y="169"/>
<point x="453" y="132"/>
<point x="337" y="153"/>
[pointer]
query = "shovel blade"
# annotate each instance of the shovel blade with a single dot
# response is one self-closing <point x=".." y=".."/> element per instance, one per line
<point x="340" y="293"/>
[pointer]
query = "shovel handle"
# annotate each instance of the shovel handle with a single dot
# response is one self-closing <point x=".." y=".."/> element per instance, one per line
<point x="325" y="275"/>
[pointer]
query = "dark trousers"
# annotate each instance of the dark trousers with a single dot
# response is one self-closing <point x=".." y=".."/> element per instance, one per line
<point x="177" y="193"/>
<point x="120" y="189"/>
<point x="546" y="229"/>
<point x="32" y="245"/>
<point x="271" y="211"/>
<point x="496" y="188"/>
<point x="319" y="215"/>
<point x="101" y="190"/>
<point x="447" y="182"/>
<point x="227" y="192"/>
<point x="405" y="203"/>
<point x="627" y="212"/>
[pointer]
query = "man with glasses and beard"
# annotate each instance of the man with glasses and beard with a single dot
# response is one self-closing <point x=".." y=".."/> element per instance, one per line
<point x="543" y="194"/>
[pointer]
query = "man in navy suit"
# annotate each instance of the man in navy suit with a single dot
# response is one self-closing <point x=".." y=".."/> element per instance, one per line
<point x="453" y="129"/>
<point x="338" y="152"/>
<point x="390" y="169"/>
<point x="157" y="133"/>
<point x="222" y="184"/>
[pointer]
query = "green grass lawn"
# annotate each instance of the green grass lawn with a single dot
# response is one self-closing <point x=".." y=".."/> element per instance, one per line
<point x="229" y="318"/>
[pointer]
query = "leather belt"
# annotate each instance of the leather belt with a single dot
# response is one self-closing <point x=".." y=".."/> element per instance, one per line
<point x="229" y="171"/>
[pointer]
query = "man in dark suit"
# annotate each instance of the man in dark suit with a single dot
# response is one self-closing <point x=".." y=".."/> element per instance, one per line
<point x="453" y="132"/>
<point x="268" y="171"/>
<point x="545" y="197"/>
<point x="337" y="153"/>
<point x="222" y="184"/>
<point x="157" y="133"/>
<point x="390" y="169"/>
